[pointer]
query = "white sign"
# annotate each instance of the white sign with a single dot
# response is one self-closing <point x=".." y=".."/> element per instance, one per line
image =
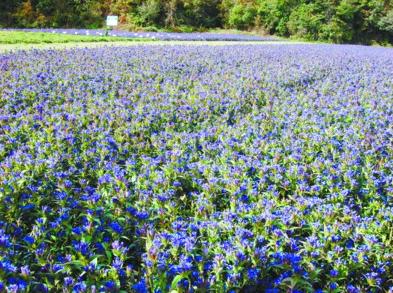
<point x="112" y="20"/>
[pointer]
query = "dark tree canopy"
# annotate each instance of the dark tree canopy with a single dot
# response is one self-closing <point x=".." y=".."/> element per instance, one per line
<point x="329" y="20"/>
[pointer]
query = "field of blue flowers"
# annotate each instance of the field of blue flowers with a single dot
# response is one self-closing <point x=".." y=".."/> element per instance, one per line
<point x="252" y="168"/>
<point x="164" y="36"/>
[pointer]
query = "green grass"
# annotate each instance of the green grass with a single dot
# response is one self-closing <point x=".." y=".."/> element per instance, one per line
<point x="16" y="37"/>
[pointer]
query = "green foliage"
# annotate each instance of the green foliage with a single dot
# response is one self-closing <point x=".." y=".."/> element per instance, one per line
<point x="356" y="21"/>
<point x="14" y="37"/>
<point x="204" y="13"/>
<point x="242" y="16"/>
<point x="57" y="13"/>
<point x="386" y="22"/>
<point x="274" y="15"/>
<point x="148" y="13"/>
<point x="7" y="8"/>
<point x="305" y="21"/>
<point x="336" y="31"/>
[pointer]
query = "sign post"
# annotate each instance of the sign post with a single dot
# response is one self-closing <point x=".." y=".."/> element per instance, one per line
<point x="111" y="21"/>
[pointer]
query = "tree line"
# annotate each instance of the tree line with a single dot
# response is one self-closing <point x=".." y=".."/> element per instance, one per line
<point x="358" y="21"/>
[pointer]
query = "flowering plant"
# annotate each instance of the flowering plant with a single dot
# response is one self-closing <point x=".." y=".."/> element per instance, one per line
<point x="192" y="168"/>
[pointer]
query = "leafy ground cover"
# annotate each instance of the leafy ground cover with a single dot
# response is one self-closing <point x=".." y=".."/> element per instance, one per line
<point x="27" y="37"/>
<point x="60" y="46"/>
<point x="193" y="168"/>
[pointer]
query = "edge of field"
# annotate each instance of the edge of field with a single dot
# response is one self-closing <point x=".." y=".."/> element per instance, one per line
<point x="16" y="47"/>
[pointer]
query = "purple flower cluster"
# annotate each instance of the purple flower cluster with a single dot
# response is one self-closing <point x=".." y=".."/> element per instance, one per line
<point x="165" y="36"/>
<point x="190" y="168"/>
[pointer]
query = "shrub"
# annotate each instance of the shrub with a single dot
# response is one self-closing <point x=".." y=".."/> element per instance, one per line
<point x="242" y="17"/>
<point x="305" y="22"/>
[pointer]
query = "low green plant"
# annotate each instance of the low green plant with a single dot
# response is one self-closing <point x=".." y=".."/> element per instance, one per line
<point x="16" y="37"/>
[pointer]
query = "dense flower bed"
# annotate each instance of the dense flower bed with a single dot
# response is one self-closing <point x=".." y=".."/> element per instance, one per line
<point x="165" y="36"/>
<point x="158" y="168"/>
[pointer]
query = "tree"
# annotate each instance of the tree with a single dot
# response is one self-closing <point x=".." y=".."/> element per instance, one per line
<point x="386" y="22"/>
<point x="242" y="17"/>
<point x="306" y="21"/>
<point x="201" y="13"/>
<point x="148" y="13"/>
<point x="170" y="10"/>
<point x="7" y="11"/>
<point x="274" y="15"/>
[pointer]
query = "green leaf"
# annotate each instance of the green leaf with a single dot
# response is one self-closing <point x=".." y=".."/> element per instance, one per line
<point x="176" y="280"/>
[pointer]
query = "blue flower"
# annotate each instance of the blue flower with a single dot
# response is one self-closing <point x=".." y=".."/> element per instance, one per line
<point x="28" y="239"/>
<point x="20" y="283"/>
<point x="177" y="184"/>
<point x="81" y="247"/>
<point x="106" y="178"/>
<point x="184" y="283"/>
<point x="140" y="287"/>
<point x="253" y="274"/>
<point x="349" y="244"/>
<point x="77" y="230"/>
<point x="272" y="290"/>
<point x="41" y="288"/>
<point x="352" y="289"/>
<point x="110" y="286"/>
<point x="333" y="286"/>
<point x="25" y="271"/>
<point x="116" y="227"/>
<point x="80" y="287"/>
<point x="142" y="215"/>
<point x="68" y="281"/>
